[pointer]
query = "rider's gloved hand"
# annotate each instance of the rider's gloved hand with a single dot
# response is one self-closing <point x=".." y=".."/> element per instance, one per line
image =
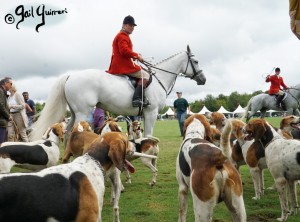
<point x="140" y="58"/>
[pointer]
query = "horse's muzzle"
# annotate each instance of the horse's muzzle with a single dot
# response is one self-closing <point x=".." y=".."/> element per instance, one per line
<point x="200" y="78"/>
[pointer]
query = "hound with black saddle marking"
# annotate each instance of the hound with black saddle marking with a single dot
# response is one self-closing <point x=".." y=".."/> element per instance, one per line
<point x="67" y="192"/>
<point x="283" y="161"/>
<point x="147" y="146"/>
<point x="204" y="168"/>
<point x="33" y="155"/>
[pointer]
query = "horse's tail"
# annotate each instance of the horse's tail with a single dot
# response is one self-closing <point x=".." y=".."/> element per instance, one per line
<point x="247" y="109"/>
<point x="225" y="139"/>
<point x="54" y="110"/>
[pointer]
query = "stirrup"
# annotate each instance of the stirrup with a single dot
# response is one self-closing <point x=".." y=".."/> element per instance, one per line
<point x="137" y="103"/>
<point x="146" y="102"/>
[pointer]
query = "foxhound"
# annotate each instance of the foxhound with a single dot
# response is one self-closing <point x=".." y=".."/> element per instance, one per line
<point x="283" y="161"/>
<point x="204" y="168"/>
<point x="218" y="119"/>
<point x="287" y="124"/>
<point x="110" y="125"/>
<point x="67" y="192"/>
<point x="251" y="153"/>
<point x="135" y="131"/>
<point x="147" y="146"/>
<point x="33" y="155"/>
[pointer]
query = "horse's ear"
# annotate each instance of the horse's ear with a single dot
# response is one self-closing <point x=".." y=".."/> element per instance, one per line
<point x="188" y="49"/>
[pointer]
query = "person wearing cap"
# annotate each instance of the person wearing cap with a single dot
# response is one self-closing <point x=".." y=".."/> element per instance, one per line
<point x="276" y="82"/>
<point x="180" y="110"/>
<point x="122" y="61"/>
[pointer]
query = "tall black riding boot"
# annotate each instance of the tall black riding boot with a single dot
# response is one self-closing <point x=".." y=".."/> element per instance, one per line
<point x="137" y="97"/>
<point x="137" y="100"/>
<point x="279" y="100"/>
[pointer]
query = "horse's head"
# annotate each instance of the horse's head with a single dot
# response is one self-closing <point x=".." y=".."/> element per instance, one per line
<point x="192" y="69"/>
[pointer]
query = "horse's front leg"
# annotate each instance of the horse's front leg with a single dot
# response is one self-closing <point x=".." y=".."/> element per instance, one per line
<point x="149" y="121"/>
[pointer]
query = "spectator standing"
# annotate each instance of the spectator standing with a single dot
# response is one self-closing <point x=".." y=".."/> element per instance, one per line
<point x="17" y="107"/>
<point x="180" y="110"/>
<point x="5" y="116"/>
<point x="29" y="112"/>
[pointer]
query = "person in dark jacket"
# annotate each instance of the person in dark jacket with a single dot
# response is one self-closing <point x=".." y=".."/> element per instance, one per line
<point x="5" y="116"/>
<point x="181" y="106"/>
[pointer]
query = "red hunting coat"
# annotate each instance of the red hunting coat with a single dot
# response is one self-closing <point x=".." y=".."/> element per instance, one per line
<point x="122" y="56"/>
<point x="275" y="84"/>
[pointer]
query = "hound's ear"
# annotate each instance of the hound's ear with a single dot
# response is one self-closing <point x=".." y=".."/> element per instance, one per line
<point x="188" y="49"/>
<point x="117" y="149"/>
<point x="259" y="131"/>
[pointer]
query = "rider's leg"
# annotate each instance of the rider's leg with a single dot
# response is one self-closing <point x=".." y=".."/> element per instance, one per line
<point x="279" y="98"/>
<point x="138" y="96"/>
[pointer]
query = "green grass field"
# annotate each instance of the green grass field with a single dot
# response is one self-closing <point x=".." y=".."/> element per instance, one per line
<point x="142" y="203"/>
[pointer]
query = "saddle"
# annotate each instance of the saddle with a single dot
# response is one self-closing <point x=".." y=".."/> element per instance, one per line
<point x="280" y="99"/>
<point x="133" y="81"/>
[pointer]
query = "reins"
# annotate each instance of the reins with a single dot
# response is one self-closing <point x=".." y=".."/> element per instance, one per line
<point x="152" y="73"/>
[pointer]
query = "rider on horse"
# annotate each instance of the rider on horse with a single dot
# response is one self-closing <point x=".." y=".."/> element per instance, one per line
<point x="276" y="81"/>
<point x="122" y="61"/>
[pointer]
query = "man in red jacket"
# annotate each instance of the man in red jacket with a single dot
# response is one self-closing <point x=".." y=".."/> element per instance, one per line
<point x="276" y="81"/>
<point x="122" y="61"/>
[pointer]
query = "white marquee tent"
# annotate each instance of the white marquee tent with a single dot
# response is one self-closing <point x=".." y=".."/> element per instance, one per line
<point x="224" y="111"/>
<point x="204" y="110"/>
<point x="239" y="109"/>
<point x="169" y="112"/>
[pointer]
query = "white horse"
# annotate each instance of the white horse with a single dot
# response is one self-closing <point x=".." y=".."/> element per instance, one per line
<point x="264" y="102"/>
<point x="82" y="90"/>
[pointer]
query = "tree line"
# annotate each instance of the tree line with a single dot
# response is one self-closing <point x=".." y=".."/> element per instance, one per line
<point x="230" y="102"/>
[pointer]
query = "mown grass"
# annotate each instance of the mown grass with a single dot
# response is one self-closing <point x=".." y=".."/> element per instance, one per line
<point x="140" y="202"/>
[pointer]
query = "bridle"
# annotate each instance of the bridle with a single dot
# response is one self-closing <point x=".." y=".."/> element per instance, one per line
<point x="168" y="91"/>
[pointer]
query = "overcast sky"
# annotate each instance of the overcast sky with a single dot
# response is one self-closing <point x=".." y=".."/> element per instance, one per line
<point x="237" y="42"/>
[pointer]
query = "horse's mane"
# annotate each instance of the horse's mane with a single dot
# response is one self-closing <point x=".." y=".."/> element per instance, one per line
<point x="164" y="60"/>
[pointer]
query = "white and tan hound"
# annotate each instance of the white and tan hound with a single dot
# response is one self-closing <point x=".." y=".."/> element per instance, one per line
<point x="135" y="130"/>
<point x="33" y="155"/>
<point x="287" y="125"/>
<point x="249" y="153"/>
<point x="67" y="192"/>
<point x="283" y="161"/>
<point x="211" y="177"/>
<point x="147" y="146"/>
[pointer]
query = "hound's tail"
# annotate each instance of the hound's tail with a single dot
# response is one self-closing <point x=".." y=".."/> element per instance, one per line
<point x="247" y="109"/>
<point x="225" y="139"/>
<point x="54" y="110"/>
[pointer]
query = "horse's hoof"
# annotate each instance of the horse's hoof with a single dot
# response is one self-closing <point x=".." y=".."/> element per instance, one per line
<point x="255" y="198"/>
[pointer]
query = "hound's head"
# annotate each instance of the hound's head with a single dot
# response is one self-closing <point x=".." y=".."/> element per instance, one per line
<point x="237" y="128"/>
<point x="290" y="122"/>
<point x="217" y="119"/>
<point x="109" y="125"/>
<point x="256" y="129"/>
<point x="197" y="123"/>
<point x="81" y="126"/>
<point x="58" y="129"/>
<point x="111" y="149"/>
<point x="136" y="127"/>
